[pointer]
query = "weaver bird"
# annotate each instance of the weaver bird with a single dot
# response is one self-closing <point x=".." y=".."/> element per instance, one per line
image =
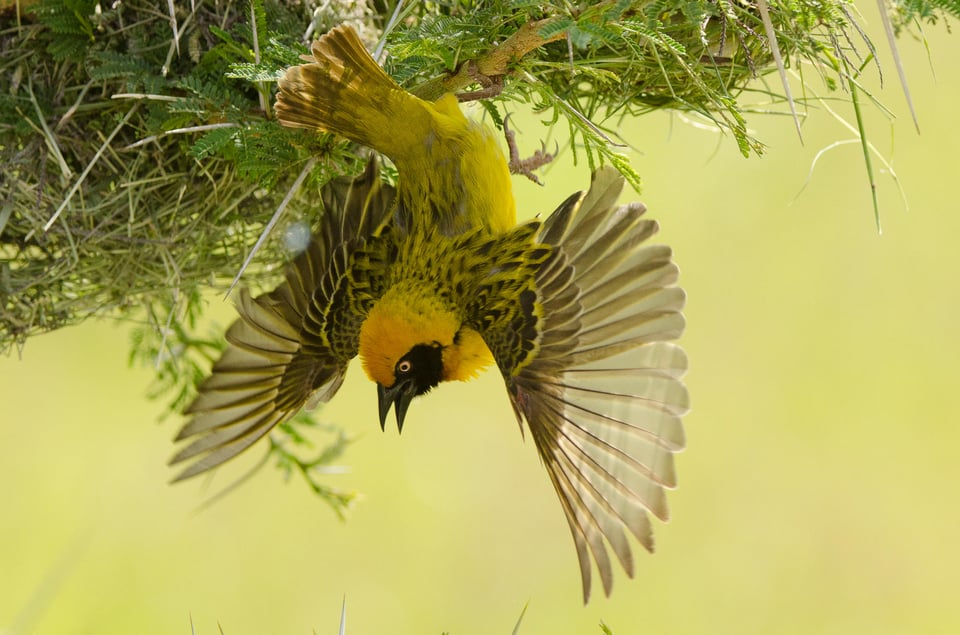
<point x="434" y="281"/>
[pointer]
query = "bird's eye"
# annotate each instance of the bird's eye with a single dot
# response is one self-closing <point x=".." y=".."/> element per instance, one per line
<point x="404" y="366"/>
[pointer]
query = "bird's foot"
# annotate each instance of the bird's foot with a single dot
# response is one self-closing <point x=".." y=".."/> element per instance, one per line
<point x="526" y="166"/>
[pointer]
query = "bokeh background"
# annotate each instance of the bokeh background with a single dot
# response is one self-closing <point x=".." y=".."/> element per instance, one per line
<point x="818" y="493"/>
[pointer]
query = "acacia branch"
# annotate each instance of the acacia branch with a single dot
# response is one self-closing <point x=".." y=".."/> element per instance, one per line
<point x="496" y="63"/>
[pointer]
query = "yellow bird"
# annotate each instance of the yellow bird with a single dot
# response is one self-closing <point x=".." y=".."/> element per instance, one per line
<point x="435" y="281"/>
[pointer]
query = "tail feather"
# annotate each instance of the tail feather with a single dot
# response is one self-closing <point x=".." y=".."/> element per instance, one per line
<point x="452" y="172"/>
<point x="344" y="91"/>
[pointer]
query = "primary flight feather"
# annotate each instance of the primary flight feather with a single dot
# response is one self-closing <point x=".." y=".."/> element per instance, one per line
<point x="434" y="281"/>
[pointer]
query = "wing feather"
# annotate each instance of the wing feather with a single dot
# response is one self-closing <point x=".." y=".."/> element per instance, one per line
<point x="220" y="450"/>
<point x="613" y="452"/>
<point x="602" y="394"/>
<point x="285" y="352"/>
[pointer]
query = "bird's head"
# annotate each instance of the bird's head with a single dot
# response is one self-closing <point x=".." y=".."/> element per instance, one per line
<point x="408" y="346"/>
<point x="402" y="344"/>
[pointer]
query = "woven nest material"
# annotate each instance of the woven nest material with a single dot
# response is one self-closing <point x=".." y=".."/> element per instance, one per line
<point x="137" y="170"/>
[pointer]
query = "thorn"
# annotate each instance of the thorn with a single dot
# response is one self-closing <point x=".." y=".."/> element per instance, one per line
<point x="778" y="58"/>
<point x="892" y="40"/>
<point x="526" y="166"/>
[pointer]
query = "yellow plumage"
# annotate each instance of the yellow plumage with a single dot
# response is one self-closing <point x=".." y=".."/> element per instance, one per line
<point x="435" y="281"/>
<point x="448" y="165"/>
<point x="402" y="310"/>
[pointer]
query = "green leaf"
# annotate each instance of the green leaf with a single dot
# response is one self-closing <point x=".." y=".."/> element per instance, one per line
<point x="214" y="142"/>
<point x="254" y="72"/>
<point x="556" y="26"/>
<point x="106" y="65"/>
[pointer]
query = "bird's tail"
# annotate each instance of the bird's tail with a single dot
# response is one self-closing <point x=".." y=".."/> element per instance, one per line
<point x="343" y="90"/>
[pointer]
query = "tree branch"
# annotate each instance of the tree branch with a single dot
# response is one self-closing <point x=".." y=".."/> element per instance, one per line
<point x="496" y="63"/>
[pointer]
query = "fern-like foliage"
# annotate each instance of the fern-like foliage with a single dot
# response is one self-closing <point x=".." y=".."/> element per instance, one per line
<point x="906" y="13"/>
<point x="71" y="27"/>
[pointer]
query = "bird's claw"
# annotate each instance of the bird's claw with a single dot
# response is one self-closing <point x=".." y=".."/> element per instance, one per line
<point x="526" y="166"/>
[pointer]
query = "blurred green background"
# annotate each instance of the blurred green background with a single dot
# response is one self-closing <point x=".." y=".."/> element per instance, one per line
<point x="818" y="493"/>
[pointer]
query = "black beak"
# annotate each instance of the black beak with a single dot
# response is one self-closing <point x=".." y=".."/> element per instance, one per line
<point x="399" y="395"/>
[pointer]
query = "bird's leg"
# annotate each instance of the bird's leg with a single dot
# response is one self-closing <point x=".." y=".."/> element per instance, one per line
<point x="490" y="86"/>
<point x="525" y="166"/>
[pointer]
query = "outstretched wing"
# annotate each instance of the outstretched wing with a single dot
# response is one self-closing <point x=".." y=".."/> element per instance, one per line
<point x="290" y="347"/>
<point x="591" y="371"/>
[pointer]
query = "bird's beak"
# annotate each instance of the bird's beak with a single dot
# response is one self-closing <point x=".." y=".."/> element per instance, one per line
<point x="399" y="395"/>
